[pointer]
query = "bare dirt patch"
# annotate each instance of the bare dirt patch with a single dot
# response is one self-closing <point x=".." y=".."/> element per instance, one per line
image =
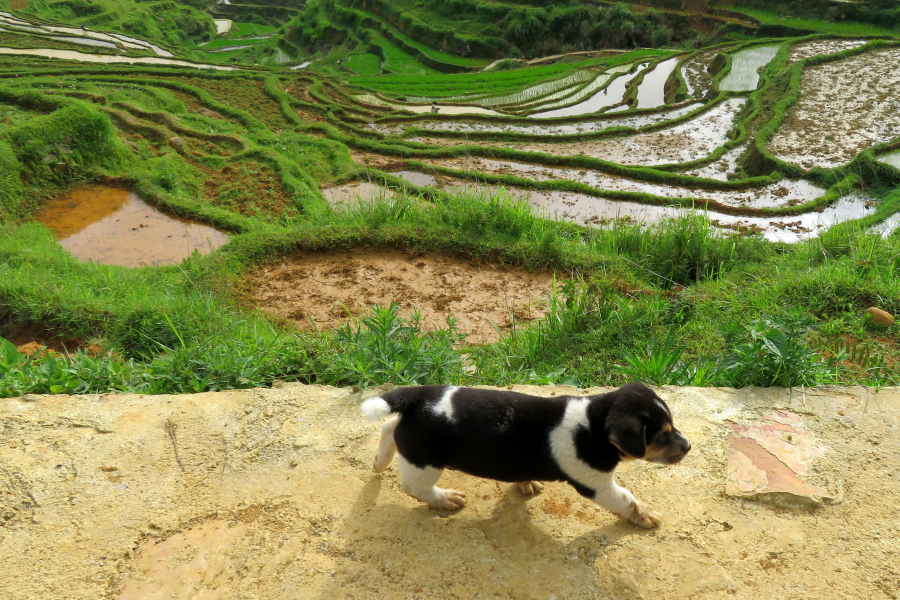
<point x="271" y="494"/>
<point x="844" y="107"/>
<point x="323" y="287"/>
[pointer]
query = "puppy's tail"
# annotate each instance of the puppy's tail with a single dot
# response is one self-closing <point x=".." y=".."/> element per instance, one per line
<point x="375" y="409"/>
<point x="395" y="401"/>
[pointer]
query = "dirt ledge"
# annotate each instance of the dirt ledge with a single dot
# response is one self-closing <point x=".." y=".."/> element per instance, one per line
<point x="269" y="494"/>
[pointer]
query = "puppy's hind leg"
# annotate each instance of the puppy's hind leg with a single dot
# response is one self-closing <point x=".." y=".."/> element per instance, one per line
<point x="420" y="483"/>
<point x="387" y="447"/>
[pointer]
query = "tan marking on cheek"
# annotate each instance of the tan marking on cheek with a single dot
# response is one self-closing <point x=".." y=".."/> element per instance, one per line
<point x="654" y="451"/>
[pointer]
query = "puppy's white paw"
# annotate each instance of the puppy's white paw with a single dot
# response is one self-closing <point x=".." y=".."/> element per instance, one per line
<point x="530" y="488"/>
<point x="449" y="500"/>
<point x="382" y="462"/>
<point x="644" y="516"/>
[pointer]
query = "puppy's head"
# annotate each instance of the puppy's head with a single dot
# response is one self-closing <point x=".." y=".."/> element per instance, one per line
<point x="640" y="425"/>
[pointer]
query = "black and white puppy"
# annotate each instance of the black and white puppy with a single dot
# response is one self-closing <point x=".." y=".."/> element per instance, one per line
<point x="525" y="439"/>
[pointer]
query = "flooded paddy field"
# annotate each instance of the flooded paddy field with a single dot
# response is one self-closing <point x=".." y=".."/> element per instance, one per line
<point x="681" y="143"/>
<point x="595" y="210"/>
<point x="549" y="129"/>
<point x="745" y="68"/>
<point x="780" y="194"/>
<point x="845" y="107"/>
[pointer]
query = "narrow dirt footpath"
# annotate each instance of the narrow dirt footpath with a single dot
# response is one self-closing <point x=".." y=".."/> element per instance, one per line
<point x="269" y="494"/>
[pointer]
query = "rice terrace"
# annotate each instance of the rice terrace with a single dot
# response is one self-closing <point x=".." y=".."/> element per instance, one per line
<point x="223" y="226"/>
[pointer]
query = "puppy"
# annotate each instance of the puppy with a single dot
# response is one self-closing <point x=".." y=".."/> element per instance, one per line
<point x="525" y="439"/>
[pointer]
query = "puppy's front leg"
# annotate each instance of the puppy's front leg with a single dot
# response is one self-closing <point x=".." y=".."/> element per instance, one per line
<point x="620" y="501"/>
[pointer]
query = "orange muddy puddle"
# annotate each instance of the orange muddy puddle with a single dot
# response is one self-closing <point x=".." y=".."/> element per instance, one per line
<point x="113" y="226"/>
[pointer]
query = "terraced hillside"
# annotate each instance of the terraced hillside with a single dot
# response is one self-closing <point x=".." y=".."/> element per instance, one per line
<point x="572" y="219"/>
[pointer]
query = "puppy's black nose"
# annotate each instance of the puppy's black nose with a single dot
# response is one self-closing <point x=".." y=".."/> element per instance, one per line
<point x="684" y="443"/>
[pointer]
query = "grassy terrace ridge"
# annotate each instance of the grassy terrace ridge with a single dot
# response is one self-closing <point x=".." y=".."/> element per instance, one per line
<point x="491" y="82"/>
<point x="675" y="302"/>
<point x="839" y="28"/>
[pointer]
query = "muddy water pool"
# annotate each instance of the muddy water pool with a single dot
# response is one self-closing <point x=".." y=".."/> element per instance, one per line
<point x="743" y="76"/>
<point x="360" y="191"/>
<point x="111" y="225"/>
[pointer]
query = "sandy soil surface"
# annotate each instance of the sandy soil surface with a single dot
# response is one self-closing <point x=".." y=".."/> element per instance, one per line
<point x="320" y="286"/>
<point x="270" y="494"/>
<point x="682" y="143"/>
<point x="844" y="108"/>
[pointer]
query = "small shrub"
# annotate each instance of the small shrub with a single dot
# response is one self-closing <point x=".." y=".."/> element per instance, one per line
<point x="385" y="347"/>
<point x="774" y="353"/>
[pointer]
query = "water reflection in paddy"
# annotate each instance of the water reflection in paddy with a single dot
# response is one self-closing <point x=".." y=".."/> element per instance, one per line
<point x="892" y="159"/>
<point x="744" y="75"/>
<point x="652" y="90"/>
<point x="589" y="210"/>
<point x="609" y="96"/>
<point x="113" y="226"/>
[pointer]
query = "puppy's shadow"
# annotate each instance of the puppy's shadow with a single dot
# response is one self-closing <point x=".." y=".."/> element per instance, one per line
<point x="381" y="535"/>
<point x="509" y="528"/>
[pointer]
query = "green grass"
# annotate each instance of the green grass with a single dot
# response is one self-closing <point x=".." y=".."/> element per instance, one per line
<point x="399" y="62"/>
<point x="239" y="30"/>
<point x="225" y="43"/>
<point x="842" y="28"/>
<point x="364" y="64"/>
<point x="441" y="56"/>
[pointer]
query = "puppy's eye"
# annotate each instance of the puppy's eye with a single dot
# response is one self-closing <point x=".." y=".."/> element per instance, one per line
<point x="661" y="438"/>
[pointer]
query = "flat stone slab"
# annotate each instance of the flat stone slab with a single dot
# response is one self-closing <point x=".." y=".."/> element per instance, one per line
<point x="771" y="460"/>
<point x="269" y="494"/>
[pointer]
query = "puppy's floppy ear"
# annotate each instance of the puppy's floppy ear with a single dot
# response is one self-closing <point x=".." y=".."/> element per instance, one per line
<point x="626" y="432"/>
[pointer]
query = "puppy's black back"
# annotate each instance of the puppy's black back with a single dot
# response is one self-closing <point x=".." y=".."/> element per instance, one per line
<point x="499" y="435"/>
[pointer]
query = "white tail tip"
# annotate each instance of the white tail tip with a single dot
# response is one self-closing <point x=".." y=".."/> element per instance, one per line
<point x="375" y="409"/>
